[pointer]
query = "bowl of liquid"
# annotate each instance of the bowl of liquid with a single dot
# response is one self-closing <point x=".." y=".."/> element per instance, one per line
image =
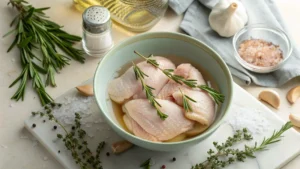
<point x="124" y="104"/>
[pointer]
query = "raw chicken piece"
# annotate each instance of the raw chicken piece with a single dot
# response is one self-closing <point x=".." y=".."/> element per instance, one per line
<point x="126" y="86"/>
<point x="146" y="116"/>
<point x="137" y="130"/>
<point x="198" y="129"/>
<point x="185" y="70"/>
<point x="203" y="109"/>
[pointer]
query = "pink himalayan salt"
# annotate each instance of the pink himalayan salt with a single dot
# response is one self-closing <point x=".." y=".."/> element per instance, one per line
<point x="260" y="52"/>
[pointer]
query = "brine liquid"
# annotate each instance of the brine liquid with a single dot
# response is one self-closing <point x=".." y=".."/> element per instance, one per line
<point x="135" y="15"/>
<point x="117" y="108"/>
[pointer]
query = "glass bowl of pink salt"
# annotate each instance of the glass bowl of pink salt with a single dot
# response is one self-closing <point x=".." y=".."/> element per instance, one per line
<point x="261" y="49"/>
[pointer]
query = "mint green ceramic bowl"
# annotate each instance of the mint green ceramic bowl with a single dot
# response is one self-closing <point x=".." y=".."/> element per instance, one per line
<point x="161" y="44"/>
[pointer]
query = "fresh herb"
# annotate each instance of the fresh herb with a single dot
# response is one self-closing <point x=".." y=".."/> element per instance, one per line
<point x="226" y="155"/>
<point x="185" y="101"/>
<point x="34" y="32"/>
<point x="217" y="96"/>
<point x="146" y="164"/>
<point x="75" y="142"/>
<point x="140" y="75"/>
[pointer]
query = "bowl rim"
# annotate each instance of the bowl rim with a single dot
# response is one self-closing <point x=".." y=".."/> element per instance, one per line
<point x="177" y="36"/>
<point x="261" y="69"/>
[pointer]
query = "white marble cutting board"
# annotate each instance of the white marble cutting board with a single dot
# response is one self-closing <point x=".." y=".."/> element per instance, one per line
<point x="277" y="156"/>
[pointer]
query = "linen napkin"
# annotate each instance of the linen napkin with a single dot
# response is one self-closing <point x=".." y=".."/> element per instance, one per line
<point x="195" y="23"/>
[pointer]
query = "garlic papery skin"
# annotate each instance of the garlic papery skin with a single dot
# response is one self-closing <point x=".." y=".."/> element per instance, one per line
<point x="228" y="17"/>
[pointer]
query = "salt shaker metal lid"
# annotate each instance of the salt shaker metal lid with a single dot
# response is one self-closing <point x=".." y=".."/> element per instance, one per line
<point x="96" y="19"/>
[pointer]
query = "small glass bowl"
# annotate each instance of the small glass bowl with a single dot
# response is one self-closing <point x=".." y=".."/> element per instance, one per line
<point x="260" y="31"/>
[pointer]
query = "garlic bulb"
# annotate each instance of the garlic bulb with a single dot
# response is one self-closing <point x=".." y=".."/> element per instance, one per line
<point x="228" y="17"/>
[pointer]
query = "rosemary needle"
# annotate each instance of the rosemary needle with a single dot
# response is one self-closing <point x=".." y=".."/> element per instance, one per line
<point x="217" y="96"/>
<point x="34" y="32"/>
<point x="185" y="101"/>
<point x="146" y="164"/>
<point x="140" y="75"/>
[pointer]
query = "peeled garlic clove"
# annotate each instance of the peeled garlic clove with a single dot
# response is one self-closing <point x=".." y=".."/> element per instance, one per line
<point x="293" y="94"/>
<point x="271" y="97"/>
<point x="295" y="119"/>
<point x="86" y="90"/>
<point x="121" y="146"/>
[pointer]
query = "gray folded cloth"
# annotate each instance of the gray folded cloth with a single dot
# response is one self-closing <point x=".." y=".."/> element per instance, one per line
<point x="195" y="23"/>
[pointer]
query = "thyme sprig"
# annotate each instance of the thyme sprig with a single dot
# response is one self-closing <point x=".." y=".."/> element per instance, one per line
<point x="226" y="155"/>
<point x="185" y="101"/>
<point x="34" y="32"/>
<point x="140" y="75"/>
<point x="146" y="164"/>
<point x="74" y="140"/>
<point x="217" y="96"/>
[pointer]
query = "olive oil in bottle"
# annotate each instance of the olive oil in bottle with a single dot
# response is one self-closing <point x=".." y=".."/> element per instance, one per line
<point x="134" y="15"/>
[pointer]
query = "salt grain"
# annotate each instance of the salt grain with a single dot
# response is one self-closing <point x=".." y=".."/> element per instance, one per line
<point x="91" y="135"/>
<point x="80" y="104"/>
<point x="3" y="146"/>
<point x="45" y="158"/>
<point x="88" y="125"/>
<point x="251" y="119"/>
<point x="11" y="105"/>
<point x="23" y="137"/>
<point x="34" y="143"/>
<point x="98" y="121"/>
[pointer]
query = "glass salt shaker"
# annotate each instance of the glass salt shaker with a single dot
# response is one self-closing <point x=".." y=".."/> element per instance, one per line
<point x="97" y="35"/>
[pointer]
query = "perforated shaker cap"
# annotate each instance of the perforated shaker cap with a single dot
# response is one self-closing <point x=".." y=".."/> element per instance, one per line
<point x="96" y="19"/>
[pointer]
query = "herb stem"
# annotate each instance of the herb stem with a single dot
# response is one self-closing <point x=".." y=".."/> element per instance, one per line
<point x="140" y="75"/>
<point x="225" y="154"/>
<point x="216" y="96"/>
<point x="33" y="31"/>
<point x="75" y="142"/>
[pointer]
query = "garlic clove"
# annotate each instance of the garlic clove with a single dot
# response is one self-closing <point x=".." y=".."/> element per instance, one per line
<point x="295" y="119"/>
<point x="121" y="146"/>
<point x="271" y="97"/>
<point x="293" y="94"/>
<point x="86" y="90"/>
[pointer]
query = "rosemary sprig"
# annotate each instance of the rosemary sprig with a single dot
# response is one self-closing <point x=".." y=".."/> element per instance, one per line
<point x="217" y="96"/>
<point x="140" y="75"/>
<point x="74" y="141"/>
<point x="32" y="32"/>
<point x="185" y="101"/>
<point x="226" y="155"/>
<point x="146" y="164"/>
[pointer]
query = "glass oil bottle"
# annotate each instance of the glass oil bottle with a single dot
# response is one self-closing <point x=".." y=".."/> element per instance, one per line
<point x="134" y="15"/>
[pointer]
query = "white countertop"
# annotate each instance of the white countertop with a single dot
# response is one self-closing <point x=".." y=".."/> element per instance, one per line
<point x="17" y="151"/>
